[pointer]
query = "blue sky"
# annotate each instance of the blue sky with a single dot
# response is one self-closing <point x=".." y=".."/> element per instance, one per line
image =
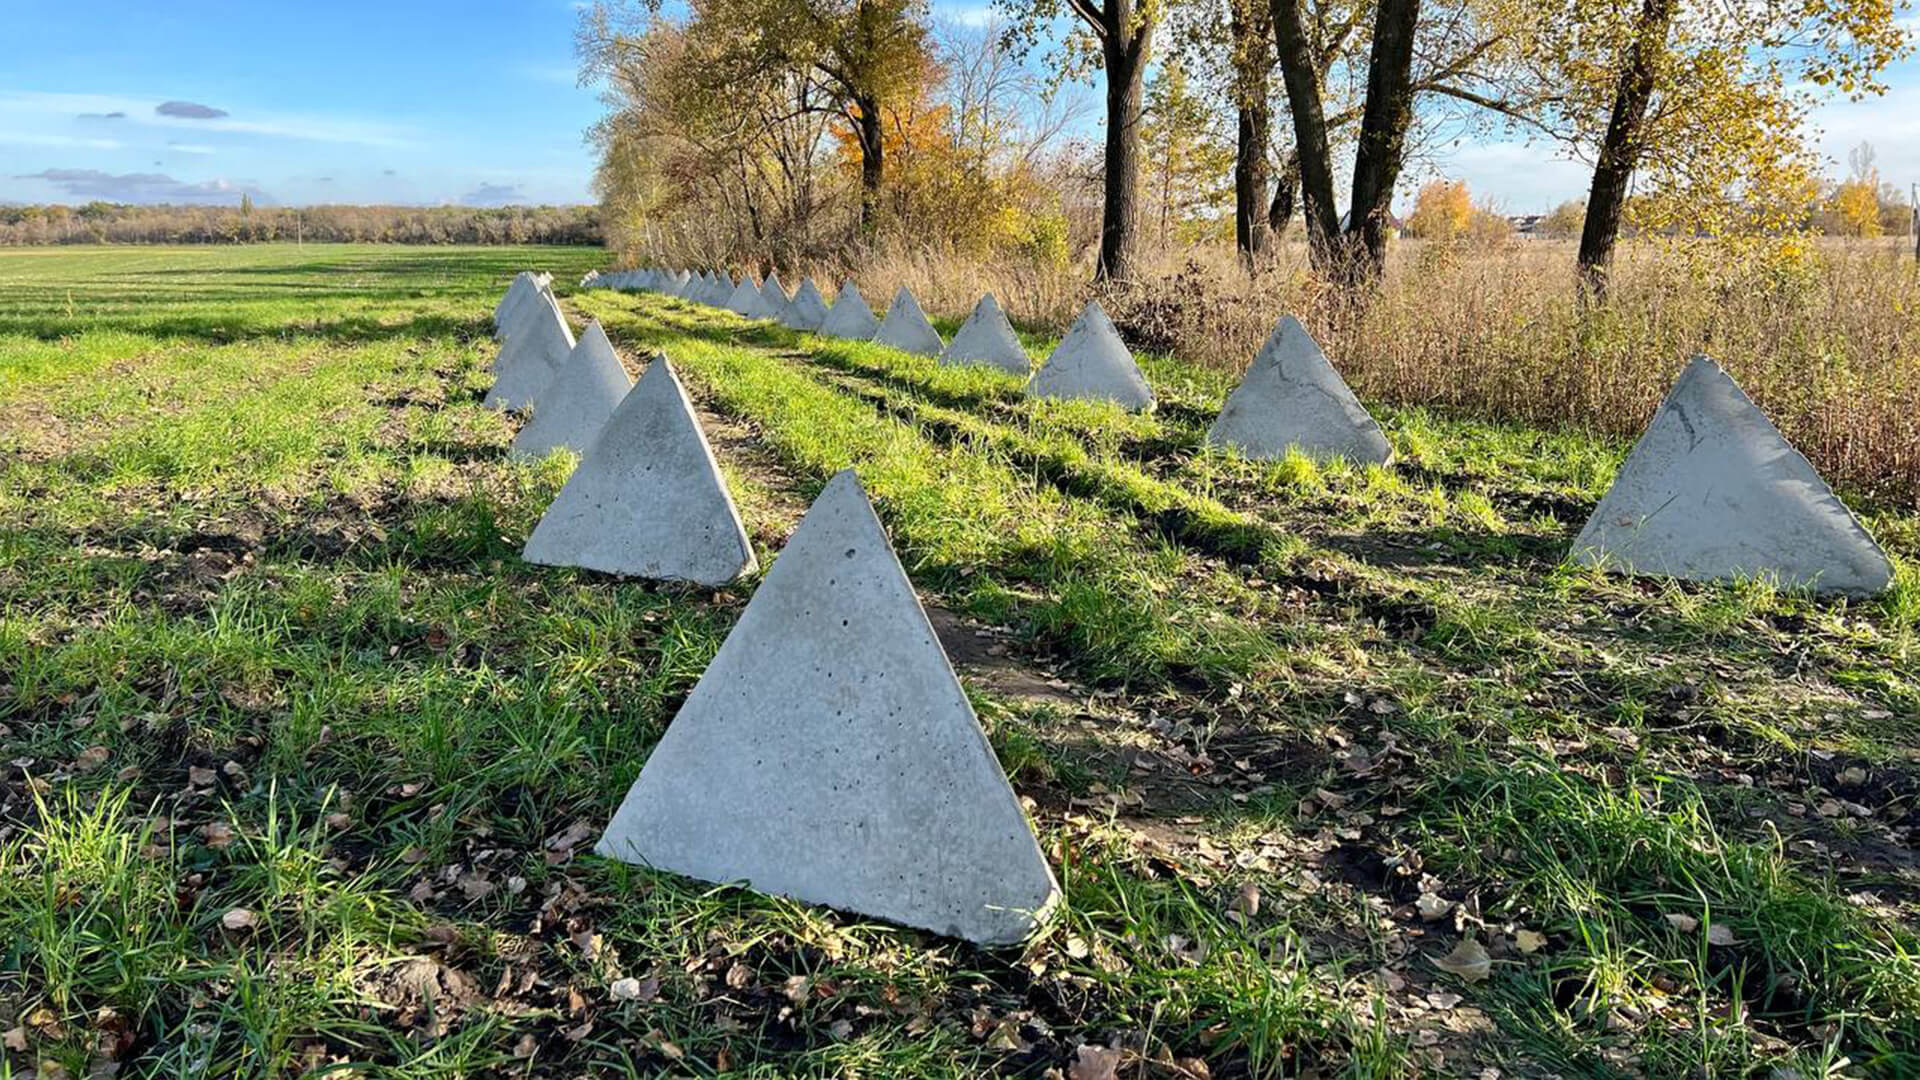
<point x="430" y="102"/>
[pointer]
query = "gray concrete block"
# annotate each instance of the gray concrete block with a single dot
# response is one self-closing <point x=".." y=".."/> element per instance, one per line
<point x="1292" y="398"/>
<point x="521" y="282"/>
<point x="514" y="317"/>
<point x="807" y="310"/>
<point x="530" y="359"/>
<point x="575" y="405"/>
<point x="747" y="300"/>
<point x="718" y="291"/>
<point x="829" y="754"/>
<point x="1092" y="364"/>
<point x="987" y="338"/>
<point x="648" y="499"/>
<point x="1713" y="492"/>
<point x="906" y="327"/>
<point x="850" y="317"/>
<point x="775" y="294"/>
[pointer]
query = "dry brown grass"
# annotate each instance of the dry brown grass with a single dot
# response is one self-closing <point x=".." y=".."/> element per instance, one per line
<point x="1824" y="344"/>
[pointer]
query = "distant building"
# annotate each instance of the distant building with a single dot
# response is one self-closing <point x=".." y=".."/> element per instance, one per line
<point x="1527" y="226"/>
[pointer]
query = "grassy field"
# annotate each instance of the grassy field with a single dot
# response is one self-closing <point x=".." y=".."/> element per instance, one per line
<point x="1342" y="771"/>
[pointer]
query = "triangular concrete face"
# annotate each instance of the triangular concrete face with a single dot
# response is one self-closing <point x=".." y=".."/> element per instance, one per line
<point x="906" y="327"/>
<point x="521" y="282"/>
<point x="648" y="499"/>
<point x="747" y="301"/>
<point x="1092" y="364"/>
<point x="807" y="310"/>
<point x="775" y="295"/>
<point x="1713" y="492"/>
<point x="521" y="309"/>
<point x="1292" y="398"/>
<point x="718" y="291"/>
<point x="576" y="404"/>
<point x="829" y="754"/>
<point x="987" y="338"/>
<point x="530" y="360"/>
<point x="850" y="317"/>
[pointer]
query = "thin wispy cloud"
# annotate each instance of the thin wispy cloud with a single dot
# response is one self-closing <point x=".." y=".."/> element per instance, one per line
<point x="189" y="148"/>
<point x="312" y="127"/>
<point x="144" y="187"/>
<point x="493" y="195"/>
<point x="36" y="138"/>
<point x="101" y="116"/>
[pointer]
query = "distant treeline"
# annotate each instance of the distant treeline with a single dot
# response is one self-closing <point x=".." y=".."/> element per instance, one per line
<point x="121" y="223"/>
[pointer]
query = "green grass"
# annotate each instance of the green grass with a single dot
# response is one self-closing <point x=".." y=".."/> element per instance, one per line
<point x="297" y="743"/>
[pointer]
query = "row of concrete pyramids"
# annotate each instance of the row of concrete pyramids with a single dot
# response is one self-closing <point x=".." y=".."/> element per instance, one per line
<point x="828" y="746"/>
<point x="879" y="757"/>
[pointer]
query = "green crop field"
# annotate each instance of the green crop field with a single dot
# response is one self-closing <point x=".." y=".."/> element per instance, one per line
<point x="1343" y="773"/>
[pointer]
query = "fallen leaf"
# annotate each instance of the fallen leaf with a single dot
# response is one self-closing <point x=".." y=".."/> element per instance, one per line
<point x="413" y="855"/>
<point x="1721" y="934"/>
<point x="200" y="777"/>
<point x="16" y="1039"/>
<point x="1468" y="960"/>
<point x="1247" y="901"/>
<point x="1432" y="907"/>
<point x="525" y="1047"/>
<point x="627" y="989"/>
<point x="1529" y="941"/>
<point x="238" y="919"/>
<point x="92" y="758"/>
<point x="1092" y="1062"/>
<point x="1686" y="924"/>
<point x="216" y="835"/>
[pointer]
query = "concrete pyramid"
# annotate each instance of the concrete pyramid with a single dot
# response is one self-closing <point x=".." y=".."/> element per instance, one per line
<point x="514" y="317"/>
<point x="648" y="499"/>
<point x="987" y="338"/>
<point x="1292" y="397"/>
<point x="775" y="295"/>
<point x="576" y="404"/>
<point x="1092" y="364"/>
<point x="807" y="310"/>
<point x="522" y="281"/>
<point x="1713" y="492"/>
<point x="829" y="754"/>
<point x="748" y="301"/>
<point x="530" y="359"/>
<point x="718" y="290"/>
<point x="850" y="317"/>
<point x="906" y="327"/>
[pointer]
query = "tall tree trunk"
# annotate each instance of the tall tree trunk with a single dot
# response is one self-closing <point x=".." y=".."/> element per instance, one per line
<point x="867" y="126"/>
<point x="1286" y="189"/>
<point x="1253" y="64"/>
<point x="1125" y="48"/>
<point x="1620" y="150"/>
<point x="1383" y="139"/>
<point x="1302" y="78"/>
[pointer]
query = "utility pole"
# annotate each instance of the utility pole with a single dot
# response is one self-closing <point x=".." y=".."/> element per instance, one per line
<point x="1913" y="222"/>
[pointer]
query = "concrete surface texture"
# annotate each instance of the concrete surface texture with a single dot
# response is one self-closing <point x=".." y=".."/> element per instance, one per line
<point x="747" y="300"/>
<point x="718" y="291"/>
<point x="1091" y="363"/>
<point x="906" y="327"/>
<point x="1713" y="492"/>
<point x="515" y="317"/>
<point x="807" y="310"/>
<point x="1292" y="398"/>
<point x="987" y="338"/>
<point x="775" y="294"/>
<point x="647" y="499"/>
<point x="521" y="282"/>
<point x="530" y="359"/>
<point x="576" y="404"/>
<point x="829" y="754"/>
<point x="850" y="317"/>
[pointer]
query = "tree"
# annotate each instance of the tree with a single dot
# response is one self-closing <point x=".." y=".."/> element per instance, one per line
<point x="1442" y="211"/>
<point x="1455" y="52"/>
<point x="1565" y="220"/>
<point x="1702" y="104"/>
<point x="1184" y="153"/>
<point x="1122" y="35"/>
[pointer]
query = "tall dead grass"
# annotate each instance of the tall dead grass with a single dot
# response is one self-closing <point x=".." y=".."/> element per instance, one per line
<point x="1827" y="345"/>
